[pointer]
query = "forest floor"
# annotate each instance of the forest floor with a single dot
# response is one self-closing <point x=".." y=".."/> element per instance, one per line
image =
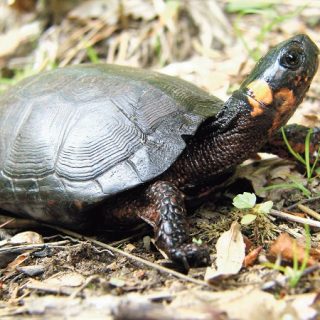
<point x="273" y="262"/>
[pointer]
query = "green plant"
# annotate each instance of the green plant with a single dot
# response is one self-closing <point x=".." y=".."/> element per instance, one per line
<point x="27" y="71"/>
<point x="92" y="54"/>
<point x="295" y="272"/>
<point x="247" y="201"/>
<point x="18" y="75"/>
<point x="197" y="241"/>
<point x="311" y="170"/>
<point x="268" y="12"/>
<point x="306" y="161"/>
<point x="295" y="184"/>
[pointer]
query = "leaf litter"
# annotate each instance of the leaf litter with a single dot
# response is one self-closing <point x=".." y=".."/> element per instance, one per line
<point x="205" y="44"/>
<point x="230" y="254"/>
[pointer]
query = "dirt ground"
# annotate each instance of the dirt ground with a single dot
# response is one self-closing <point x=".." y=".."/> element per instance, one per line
<point x="48" y="272"/>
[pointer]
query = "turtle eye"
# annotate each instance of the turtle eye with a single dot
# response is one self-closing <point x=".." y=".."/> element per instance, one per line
<point x="292" y="58"/>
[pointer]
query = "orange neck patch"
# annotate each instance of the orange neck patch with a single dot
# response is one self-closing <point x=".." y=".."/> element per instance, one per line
<point x="287" y="105"/>
<point x="259" y="93"/>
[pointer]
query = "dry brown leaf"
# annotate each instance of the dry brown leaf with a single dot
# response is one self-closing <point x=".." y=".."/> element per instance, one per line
<point x="211" y="21"/>
<point x="251" y="257"/>
<point x="12" y="255"/>
<point x="302" y="305"/>
<point x="68" y="279"/>
<point x="248" y="243"/>
<point x="315" y="253"/>
<point x="308" y="113"/>
<point x="107" y="11"/>
<point x="249" y="302"/>
<point x="16" y="262"/>
<point x="23" y="5"/>
<point x="230" y="254"/>
<point x="144" y="10"/>
<point x="288" y="248"/>
<point x="230" y="249"/>
<point x="129" y="247"/>
<point x="27" y="237"/>
<point x="64" y="283"/>
<point x="268" y="171"/>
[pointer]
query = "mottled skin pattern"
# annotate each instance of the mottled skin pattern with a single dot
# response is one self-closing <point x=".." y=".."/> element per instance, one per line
<point x="133" y="145"/>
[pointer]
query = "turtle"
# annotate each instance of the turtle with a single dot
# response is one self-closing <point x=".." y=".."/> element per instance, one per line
<point x="106" y="145"/>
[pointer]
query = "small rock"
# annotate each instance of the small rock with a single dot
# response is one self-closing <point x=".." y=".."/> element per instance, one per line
<point x="45" y="252"/>
<point x="32" y="271"/>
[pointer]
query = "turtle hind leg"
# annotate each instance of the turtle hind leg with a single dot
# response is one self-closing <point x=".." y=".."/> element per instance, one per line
<point x="167" y="214"/>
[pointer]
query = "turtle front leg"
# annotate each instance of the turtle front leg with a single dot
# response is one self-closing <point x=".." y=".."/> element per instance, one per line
<point x="167" y="214"/>
<point x="296" y="135"/>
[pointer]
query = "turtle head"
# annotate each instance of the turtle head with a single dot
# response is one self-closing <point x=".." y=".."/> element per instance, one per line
<point x="280" y="80"/>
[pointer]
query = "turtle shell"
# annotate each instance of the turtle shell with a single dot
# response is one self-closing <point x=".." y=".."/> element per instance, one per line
<point x="84" y="133"/>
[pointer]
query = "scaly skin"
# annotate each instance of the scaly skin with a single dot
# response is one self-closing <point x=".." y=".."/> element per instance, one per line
<point x="163" y="207"/>
<point x="171" y="226"/>
<point x="251" y="116"/>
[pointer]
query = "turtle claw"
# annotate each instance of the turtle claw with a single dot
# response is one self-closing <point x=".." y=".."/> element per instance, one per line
<point x="190" y="255"/>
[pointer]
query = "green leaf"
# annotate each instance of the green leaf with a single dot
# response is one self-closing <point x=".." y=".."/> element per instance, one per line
<point x="197" y="241"/>
<point x="248" y="218"/>
<point x="264" y="207"/>
<point x="244" y="201"/>
<point x="92" y="55"/>
<point x="245" y="6"/>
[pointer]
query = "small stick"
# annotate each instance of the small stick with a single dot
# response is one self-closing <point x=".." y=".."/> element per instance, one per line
<point x="291" y="217"/>
<point x="85" y="284"/>
<point x="309" y="211"/>
<point x="311" y="269"/>
<point x="17" y="222"/>
<point x="130" y="256"/>
<point x="119" y="242"/>
<point x="7" y="222"/>
<point x="24" y="247"/>
<point x="302" y="201"/>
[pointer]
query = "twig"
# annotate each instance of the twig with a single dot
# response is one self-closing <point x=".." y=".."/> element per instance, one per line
<point x="130" y="256"/>
<point x="291" y="217"/>
<point x="272" y="283"/>
<point x="40" y="286"/>
<point x="302" y="202"/>
<point x="7" y="222"/>
<point x="17" y="222"/>
<point x="309" y="211"/>
<point x="137" y="235"/>
<point x="310" y="269"/>
<point x="85" y="284"/>
<point x="24" y="247"/>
